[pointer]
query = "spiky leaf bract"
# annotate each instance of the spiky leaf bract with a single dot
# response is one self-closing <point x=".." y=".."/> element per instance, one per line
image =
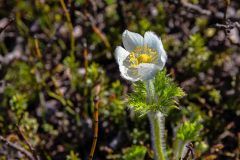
<point x="165" y="95"/>
<point x="135" y="152"/>
<point x="189" y="131"/>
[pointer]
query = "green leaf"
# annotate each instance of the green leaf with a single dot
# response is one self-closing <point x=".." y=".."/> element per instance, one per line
<point x="167" y="92"/>
<point x="18" y="104"/>
<point x="73" y="156"/>
<point x="197" y="54"/>
<point x="71" y="64"/>
<point x="110" y="2"/>
<point x="134" y="152"/>
<point x="189" y="131"/>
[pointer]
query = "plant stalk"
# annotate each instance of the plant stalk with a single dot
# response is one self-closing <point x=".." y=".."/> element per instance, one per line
<point x="156" y="119"/>
<point x="157" y="134"/>
<point x="179" y="149"/>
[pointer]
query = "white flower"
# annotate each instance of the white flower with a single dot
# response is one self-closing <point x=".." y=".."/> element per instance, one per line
<point x="142" y="57"/>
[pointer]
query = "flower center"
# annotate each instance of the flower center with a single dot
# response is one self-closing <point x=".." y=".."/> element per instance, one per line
<point x="142" y="54"/>
<point x="144" y="58"/>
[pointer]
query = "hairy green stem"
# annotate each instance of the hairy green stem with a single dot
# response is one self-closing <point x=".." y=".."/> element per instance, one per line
<point x="156" y="119"/>
<point x="157" y="134"/>
<point x="179" y="149"/>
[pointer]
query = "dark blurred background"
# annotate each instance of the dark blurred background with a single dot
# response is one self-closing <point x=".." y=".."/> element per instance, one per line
<point x="52" y="58"/>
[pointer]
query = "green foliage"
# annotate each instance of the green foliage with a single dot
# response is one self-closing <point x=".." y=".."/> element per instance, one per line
<point x="30" y="127"/>
<point x="189" y="131"/>
<point x="71" y="64"/>
<point x="145" y="24"/>
<point x="166" y="95"/>
<point x="110" y="2"/>
<point x="66" y="103"/>
<point x="138" y="98"/>
<point x="201" y="147"/>
<point x="93" y="74"/>
<point x="23" y="78"/>
<point x="194" y="1"/>
<point x="139" y="136"/>
<point x="79" y="2"/>
<point x="73" y="156"/>
<point x="167" y="91"/>
<point x="52" y="96"/>
<point x="215" y="95"/>
<point x="50" y="129"/>
<point x="197" y="54"/>
<point x="134" y="152"/>
<point x="114" y="108"/>
<point x="201" y="22"/>
<point x="18" y="105"/>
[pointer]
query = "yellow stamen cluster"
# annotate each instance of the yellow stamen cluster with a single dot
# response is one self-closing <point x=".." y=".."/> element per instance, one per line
<point x="142" y="54"/>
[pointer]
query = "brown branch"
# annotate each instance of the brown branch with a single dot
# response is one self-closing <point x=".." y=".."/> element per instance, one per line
<point x="228" y="24"/>
<point x="96" y="29"/>
<point x="70" y="27"/>
<point x="8" y="23"/>
<point x="227" y="2"/>
<point x="198" y="9"/>
<point x="227" y="27"/>
<point x="237" y="24"/>
<point x="95" y="134"/>
<point x="31" y="148"/>
<point x="195" y="8"/>
<point x="85" y="55"/>
<point x="15" y="54"/>
<point x="18" y="148"/>
<point x="190" y="152"/>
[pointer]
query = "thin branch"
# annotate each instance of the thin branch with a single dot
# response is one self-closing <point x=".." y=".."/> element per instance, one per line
<point x="8" y="23"/>
<point x="18" y="148"/>
<point x="70" y="27"/>
<point x="227" y="26"/>
<point x="196" y="8"/>
<point x="95" y="134"/>
<point x="15" y="54"/>
<point x="227" y="2"/>
<point x="189" y="152"/>
<point x="85" y="55"/>
<point x="38" y="77"/>
<point x="37" y="49"/>
<point x="237" y="24"/>
<point x="31" y="148"/>
<point x="96" y="29"/>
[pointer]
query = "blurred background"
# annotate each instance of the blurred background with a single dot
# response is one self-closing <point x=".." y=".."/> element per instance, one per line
<point x="54" y="53"/>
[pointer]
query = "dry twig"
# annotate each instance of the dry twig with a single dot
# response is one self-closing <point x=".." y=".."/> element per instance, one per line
<point x="97" y="30"/>
<point x="189" y="152"/>
<point x="70" y="27"/>
<point x="4" y="27"/>
<point x="31" y="148"/>
<point x="228" y="25"/>
<point x="18" y="148"/>
<point x="196" y="8"/>
<point x="95" y="134"/>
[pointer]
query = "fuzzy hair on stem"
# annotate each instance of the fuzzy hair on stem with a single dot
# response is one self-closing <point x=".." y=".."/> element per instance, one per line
<point x="157" y="135"/>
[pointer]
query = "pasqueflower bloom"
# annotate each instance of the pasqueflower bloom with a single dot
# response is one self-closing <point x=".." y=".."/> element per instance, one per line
<point x="142" y="56"/>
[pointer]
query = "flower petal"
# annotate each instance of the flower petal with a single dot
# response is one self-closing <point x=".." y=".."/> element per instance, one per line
<point x="120" y="54"/>
<point x="147" y="71"/>
<point x="129" y="74"/>
<point x="131" y="40"/>
<point x="153" y="41"/>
